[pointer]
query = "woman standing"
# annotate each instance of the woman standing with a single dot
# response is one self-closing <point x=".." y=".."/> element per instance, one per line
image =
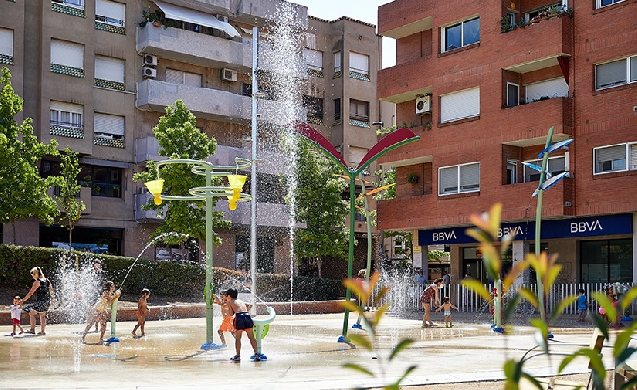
<point x="43" y="291"/>
<point x="429" y="294"/>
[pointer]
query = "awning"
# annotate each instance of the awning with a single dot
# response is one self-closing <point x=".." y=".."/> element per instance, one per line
<point x="196" y="17"/>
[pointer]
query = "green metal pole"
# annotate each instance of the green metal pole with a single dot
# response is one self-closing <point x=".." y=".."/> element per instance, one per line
<point x="209" y="262"/>
<point x="538" y="222"/>
<point x="368" y="220"/>
<point x="350" y="258"/>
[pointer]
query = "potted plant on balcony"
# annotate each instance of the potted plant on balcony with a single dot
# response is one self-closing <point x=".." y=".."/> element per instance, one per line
<point x="150" y="17"/>
<point x="412" y="178"/>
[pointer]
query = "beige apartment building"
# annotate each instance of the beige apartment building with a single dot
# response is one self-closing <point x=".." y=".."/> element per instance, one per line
<point x="96" y="75"/>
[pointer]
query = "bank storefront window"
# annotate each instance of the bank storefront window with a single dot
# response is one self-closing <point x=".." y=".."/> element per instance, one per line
<point x="607" y="261"/>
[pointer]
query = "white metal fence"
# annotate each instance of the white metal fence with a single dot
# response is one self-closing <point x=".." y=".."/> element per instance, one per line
<point x="404" y="296"/>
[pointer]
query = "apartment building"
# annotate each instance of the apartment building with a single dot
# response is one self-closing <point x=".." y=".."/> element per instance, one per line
<point x="96" y="75"/>
<point x="482" y="82"/>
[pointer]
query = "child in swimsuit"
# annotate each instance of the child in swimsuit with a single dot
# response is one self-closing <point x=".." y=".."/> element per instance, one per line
<point x="142" y="310"/>
<point x="228" y="321"/>
<point x="99" y="312"/>
<point x="446" y="307"/>
<point x="242" y="323"/>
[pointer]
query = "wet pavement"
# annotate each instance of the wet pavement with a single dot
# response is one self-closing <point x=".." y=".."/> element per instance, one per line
<point x="302" y="352"/>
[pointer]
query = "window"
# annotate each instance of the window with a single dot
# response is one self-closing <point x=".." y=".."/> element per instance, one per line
<point x="6" y="46"/>
<point x="613" y="74"/>
<point x="459" y="179"/>
<point x="337" y="109"/>
<point x="181" y="77"/>
<point x="604" y="3"/>
<point x="513" y="95"/>
<point x="555" y="165"/>
<point x="105" y="181"/>
<point x="356" y="155"/>
<point x="65" y="55"/>
<point x="607" y="261"/>
<point x="337" y="62"/>
<point x="109" y="73"/>
<point x="75" y="3"/>
<point x="615" y="158"/>
<point x="359" y="110"/>
<point x="110" y="12"/>
<point x="314" y="107"/>
<point x="547" y="89"/>
<point x="460" y="105"/>
<point x="313" y="59"/>
<point x="108" y="126"/>
<point x="66" y="115"/>
<point x="461" y="34"/>
<point x="358" y="66"/>
<point x="512" y="171"/>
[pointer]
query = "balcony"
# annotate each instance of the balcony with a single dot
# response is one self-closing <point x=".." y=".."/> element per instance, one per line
<point x="194" y="48"/>
<point x="146" y="149"/>
<point x="260" y="12"/>
<point x="206" y="103"/>
<point x="406" y="81"/>
<point x="536" y="46"/>
<point x="146" y="216"/>
<point x="542" y="115"/>
<point x="224" y="106"/>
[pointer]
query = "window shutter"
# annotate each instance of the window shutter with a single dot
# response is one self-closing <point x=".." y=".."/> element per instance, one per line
<point x="549" y="88"/>
<point x="469" y="177"/>
<point x="359" y="62"/>
<point x="174" y="76"/>
<point x="110" y="9"/>
<point x="310" y="41"/>
<point x="110" y="69"/>
<point x="633" y="69"/>
<point x="63" y="106"/>
<point x="6" y="42"/>
<point x="337" y="61"/>
<point x="616" y="152"/>
<point x="460" y="105"/>
<point x="448" y="177"/>
<point x="556" y="165"/>
<point x="192" y="79"/>
<point x="313" y="59"/>
<point x="108" y="124"/>
<point x="611" y="74"/>
<point x="633" y="156"/>
<point x="67" y="53"/>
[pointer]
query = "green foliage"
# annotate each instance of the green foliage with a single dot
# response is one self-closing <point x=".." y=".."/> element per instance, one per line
<point x="371" y="321"/>
<point x="547" y="270"/>
<point x="68" y="202"/>
<point x="318" y="202"/>
<point x="162" y="278"/>
<point x="22" y="190"/>
<point x="179" y="138"/>
<point x="386" y="178"/>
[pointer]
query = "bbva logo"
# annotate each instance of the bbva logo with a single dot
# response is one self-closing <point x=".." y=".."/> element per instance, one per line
<point x="583" y="227"/>
<point x="444" y="236"/>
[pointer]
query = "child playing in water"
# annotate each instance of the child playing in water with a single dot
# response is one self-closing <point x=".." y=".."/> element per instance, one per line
<point x="242" y="323"/>
<point x="99" y="312"/>
<point x="16" y="308"/>
<point x="142" y="310"/>
<point x="226" y="312"/>
<point x="446" y="307"/>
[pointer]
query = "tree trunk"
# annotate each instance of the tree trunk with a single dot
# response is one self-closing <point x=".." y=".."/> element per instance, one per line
<point x="318" y="265"/>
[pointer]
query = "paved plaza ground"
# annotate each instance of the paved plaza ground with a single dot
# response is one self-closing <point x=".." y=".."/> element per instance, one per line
<point x="302" y="351"/>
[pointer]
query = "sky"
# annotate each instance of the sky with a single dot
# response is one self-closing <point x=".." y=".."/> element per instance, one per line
<point x="363" y="10"/>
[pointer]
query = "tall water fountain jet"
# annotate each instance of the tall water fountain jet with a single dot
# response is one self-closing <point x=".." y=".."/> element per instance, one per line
<point x="286" y="84"/>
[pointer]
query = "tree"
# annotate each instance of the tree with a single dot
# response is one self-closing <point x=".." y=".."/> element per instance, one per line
<point x="22" y="189"/>
<point x="68" y="202"/>
<point x="179" y="138"/>
<point x="318" y="202"/>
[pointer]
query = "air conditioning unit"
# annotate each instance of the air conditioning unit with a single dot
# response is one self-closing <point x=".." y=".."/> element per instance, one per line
<point x="228" y="74"/>
<point x="223" y="18"/>
<point x="149" y="73"/>
<point x="150" y="60"/>
<point x="423" y="105"/>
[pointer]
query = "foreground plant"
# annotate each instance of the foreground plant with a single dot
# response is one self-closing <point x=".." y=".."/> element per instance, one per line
<point x="371" y="320"/>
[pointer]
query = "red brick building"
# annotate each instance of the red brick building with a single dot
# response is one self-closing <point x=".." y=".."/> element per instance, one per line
<point x="481" y="83"/>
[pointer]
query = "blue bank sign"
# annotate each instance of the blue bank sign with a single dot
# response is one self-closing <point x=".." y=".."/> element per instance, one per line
<point x="563" y="228"/>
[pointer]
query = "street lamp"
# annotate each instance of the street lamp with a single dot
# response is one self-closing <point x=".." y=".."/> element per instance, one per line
<point x="232" y="192"/>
